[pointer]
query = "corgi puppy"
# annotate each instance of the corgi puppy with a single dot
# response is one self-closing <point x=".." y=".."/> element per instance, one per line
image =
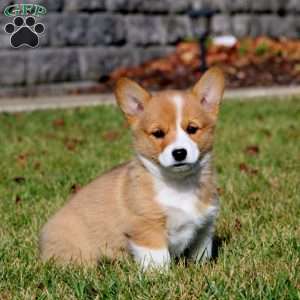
<point x="164" y="202"/>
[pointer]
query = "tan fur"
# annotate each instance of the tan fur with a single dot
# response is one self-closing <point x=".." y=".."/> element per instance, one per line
<point x="153" y="119"/>
<point x="119" y="206"/>
<point x="100" y="218"/>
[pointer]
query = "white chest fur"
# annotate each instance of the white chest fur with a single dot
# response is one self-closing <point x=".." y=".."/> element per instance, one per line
<point x="180" y="203"/>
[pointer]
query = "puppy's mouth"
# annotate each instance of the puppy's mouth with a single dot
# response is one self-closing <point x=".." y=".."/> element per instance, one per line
<point x="181" y="167"/>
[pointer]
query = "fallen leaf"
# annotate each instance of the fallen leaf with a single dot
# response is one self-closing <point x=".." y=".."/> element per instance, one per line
<point x="237" y="224"/>
<point x="75" y="188"/>
<point x="18" y="199"/>
<point x="252" y="62"/>
<point x="252" y="150"/>
<point x="58" y="122"/>
<point x="111" y="135"/>
<point x="248" y="170"/>
<point x="253" y="171"/>
<point x="243" y="167"/>
<point x="71" y="143"/>
<point x="22" y="159"/>
<point x="19" y="179"/>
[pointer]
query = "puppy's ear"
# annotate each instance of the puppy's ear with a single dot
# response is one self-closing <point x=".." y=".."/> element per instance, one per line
<point x="209" y="90"/>
<point x="131" y="97"/>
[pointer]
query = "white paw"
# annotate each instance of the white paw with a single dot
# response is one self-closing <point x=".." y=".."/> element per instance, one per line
<point x="151" y="258"/>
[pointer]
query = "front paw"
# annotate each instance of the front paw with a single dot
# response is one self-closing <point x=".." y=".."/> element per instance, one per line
<point x="203" y="251"/>
<point x="151" y="259"/>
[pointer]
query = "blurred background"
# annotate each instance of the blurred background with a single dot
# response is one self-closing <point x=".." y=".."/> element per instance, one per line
<point x="88" y="44"/>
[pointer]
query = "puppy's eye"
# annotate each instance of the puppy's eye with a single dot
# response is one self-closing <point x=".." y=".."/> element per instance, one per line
<point x="192" y="129"/>
<point x="159" y="134"/>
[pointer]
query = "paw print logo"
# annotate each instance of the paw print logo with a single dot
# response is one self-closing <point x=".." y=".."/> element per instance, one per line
<point x="24" y="32"/>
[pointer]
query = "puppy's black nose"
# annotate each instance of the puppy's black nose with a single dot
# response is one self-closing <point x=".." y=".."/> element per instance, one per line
<point x="179" y="154"/>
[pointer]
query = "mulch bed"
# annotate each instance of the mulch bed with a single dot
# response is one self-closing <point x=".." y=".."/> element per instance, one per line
<point x="250" y="63"/>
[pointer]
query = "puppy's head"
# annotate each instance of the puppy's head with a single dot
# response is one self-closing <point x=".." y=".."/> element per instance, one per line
<point x="173" y="129"/>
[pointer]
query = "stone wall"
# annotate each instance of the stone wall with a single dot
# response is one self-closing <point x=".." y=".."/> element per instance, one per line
<point x="87" y="39"/>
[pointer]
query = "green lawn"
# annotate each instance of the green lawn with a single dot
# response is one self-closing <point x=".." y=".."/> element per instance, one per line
<point x="47" y="155"/>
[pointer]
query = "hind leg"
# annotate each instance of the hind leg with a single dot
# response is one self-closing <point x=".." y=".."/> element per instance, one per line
<point x="65" y="240"/>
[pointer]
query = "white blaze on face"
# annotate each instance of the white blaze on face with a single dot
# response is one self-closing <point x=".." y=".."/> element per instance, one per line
<point x="182" y="141"/>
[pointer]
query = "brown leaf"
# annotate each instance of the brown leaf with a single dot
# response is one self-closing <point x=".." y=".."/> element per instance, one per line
<point x="248" y="170"/>
<point x="75" y="188"/>
<point x="242" y="66"/>
<point x="243" y="167"/>
<point x="19" y="179"/>
<point x="71" y="143"/>
<point x="111" y="135"/>
<point x="252" y="150"/>
<point x="58" y="123"/>
<point x="22" y="159"/>
<point x="253" y="171"/>
<point x="18" y="199"/>
<point x="237" y="224"/>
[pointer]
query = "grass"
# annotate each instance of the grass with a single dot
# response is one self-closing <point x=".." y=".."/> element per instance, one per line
<point x="46" y="155"/>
